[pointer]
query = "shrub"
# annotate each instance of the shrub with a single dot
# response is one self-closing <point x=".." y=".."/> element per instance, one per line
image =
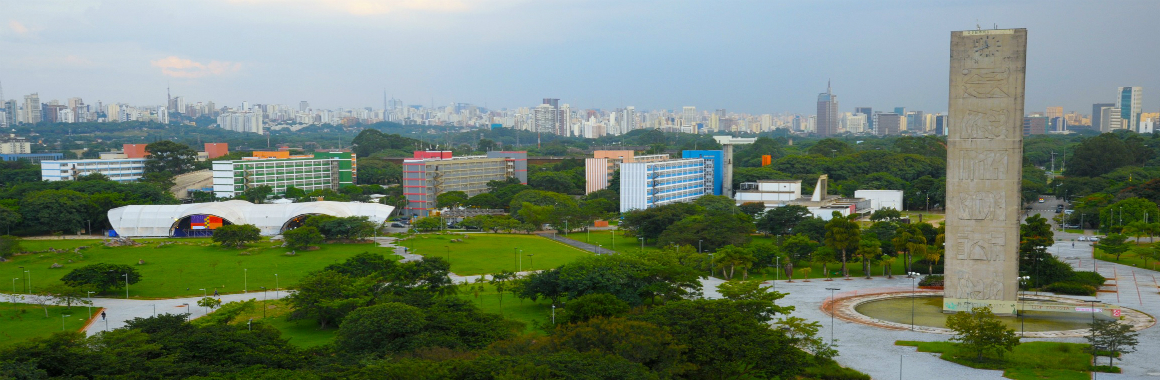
<point x="1092" y="279"/>
<point x="302" y="237"/>
<point x="1071" y="288"/>
<point x="595" y="305"/>
<point x="830" y="370"/>
<point x="932" y="280"/>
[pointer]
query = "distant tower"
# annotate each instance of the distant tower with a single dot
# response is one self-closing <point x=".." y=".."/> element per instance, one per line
<point x="827" y="124"/>
<point x="1128" y="100"/>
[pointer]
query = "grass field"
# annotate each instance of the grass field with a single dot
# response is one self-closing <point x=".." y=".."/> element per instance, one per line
<point x="527" y="311"/>
<point x="1030" y="360"/>
<point x="629" y="244"/>
<point x="492" y="253"/>
<point x="20" y="322"/>
<point x="181" y="269"/>
<point x="1127" y="258"/>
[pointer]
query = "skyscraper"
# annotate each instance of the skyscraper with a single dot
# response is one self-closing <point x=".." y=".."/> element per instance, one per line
<point x="1128" y="100"/>
<point x="869" y="112"/>
<point x="32" y="108"/>
<point x="827" y="113"/>
<point x="556" y="126"/>
<point x="1096" y="119"/>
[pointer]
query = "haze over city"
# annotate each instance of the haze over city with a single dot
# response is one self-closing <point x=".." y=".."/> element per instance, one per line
<point x="752" y="57"/>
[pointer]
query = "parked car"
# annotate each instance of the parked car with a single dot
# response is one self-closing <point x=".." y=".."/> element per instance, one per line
<point x="1094" y="238"/>
<point x="397" y="225"/>
<point x="1082" y="238"/>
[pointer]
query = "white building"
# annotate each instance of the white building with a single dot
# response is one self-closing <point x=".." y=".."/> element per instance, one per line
<point x="778" y="193"/>
<point x="200" y="219"/>
<point x="120" y="170"/>
<point x="649" y="184"/>
<point x="881" y="199"/>
<point x="66" y="115"/>
<point x="242" y="122"/>
<point x="14" y="145"/>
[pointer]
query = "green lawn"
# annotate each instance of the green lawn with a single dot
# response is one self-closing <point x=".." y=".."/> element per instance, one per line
<point x="611" y="240"/>
<point x="302" y="333"/>
<point x="527" y="311"/>
<point x="492" y="253"/>
<point x="181" y="269"/>
<point x="20" y="322"/>
<point x="1127" y="258"/>
<point x="1030" y="360"/>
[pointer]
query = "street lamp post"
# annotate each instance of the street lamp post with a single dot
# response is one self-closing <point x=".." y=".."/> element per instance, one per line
<point x="641" y="244"/>
<point x="912" y="295"/>
<point x="90" y="294"/>
<point x="62" y="321"/>
<point x="203" y="296"/>
<point x="531" y="261"/>
<point x="264" y="302"/>
<point x="187" y="314"/>
<point x="1023" y="301"/>
<point x="126" y="285"/>
<point x="553" y="314"/>
<point x="14" y="288"/>
<point x="515" y="257"/>
<point x="833" y="310"/>
<point x="245" y="280"/>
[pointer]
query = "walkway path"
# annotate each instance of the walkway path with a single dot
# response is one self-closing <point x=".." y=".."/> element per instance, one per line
<point x="117" y="311"/>
<point x="578" y="244"/>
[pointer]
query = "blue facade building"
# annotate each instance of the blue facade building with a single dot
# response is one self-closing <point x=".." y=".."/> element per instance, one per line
<point x="718" y="158"/>
<point x="32" y="157"/>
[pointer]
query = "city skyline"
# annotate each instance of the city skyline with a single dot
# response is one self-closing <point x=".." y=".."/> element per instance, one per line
<point x="749" y="57"/>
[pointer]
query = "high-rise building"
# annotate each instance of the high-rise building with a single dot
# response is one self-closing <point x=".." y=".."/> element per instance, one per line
<point x="689" y="115"/>
<point x="557" y="126"/>
<point x="649" y="184"/>
<point x="544" y="118"/>
<point x="432" y="173"/>
<point x="827" y="124"/>
<point x="1128" y="100"/>
<point x="32" y="108"/>
<point x="940" y="125"/>
<point x="869" y="112"/>
<point x="242" y="122"/>
<point x="1053" y="112"/>
<point x="322" y="170"/>
<point x="1097" y="119"/>
<point x="10" y="112"/>
<point x="887" y="123"/>
<point x="14" y="145"/>
<point x="900" y="110"/>
<point x="1034" y="125"/>
<point x="303" y="106"/>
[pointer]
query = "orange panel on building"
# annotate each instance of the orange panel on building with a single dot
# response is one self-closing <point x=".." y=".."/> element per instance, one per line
<point x="766" y="160"/>
<point x="215" y="150"/>
<point x="442" y="154"/>
<point x="600" y="223"/>
<point x="280" y="154"/>
<point x="134" y="150"/>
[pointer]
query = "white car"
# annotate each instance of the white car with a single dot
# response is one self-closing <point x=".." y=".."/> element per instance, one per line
<point x="1094" y="238"/>
<point x="1082" y="238"/>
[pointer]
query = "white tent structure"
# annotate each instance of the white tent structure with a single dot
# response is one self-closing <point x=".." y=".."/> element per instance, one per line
<point x="161" y="220"/>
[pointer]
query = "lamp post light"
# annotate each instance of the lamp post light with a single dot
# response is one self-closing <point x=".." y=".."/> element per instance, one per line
<point x="276" y="293"/>
<point x="126" y="275"/>
<point x="187" y="313"/>
<point x="62" y="316"/>
<point x="531" y="261"/>
<point x="14" y="288"/>
<point x="912" y="295"/>
<point x="90" y="294"/>
<point x="832" y="311"/>
<point x="264" y="302"/>
<point x="553" y="314"/>
<point x="641" y="244"/>
<point x="245" y="280"/>
<point x="1023" y="301"/>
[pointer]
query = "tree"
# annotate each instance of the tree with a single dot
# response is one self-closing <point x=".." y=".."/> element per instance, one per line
<point x="710" y="230"/>
<point x="236" y="235"/>
<point x="389" y="327"/>
<point x="544" y="283"/>
<point x="652" y="222"/>
<point x="64" y="295"/>
<point x="350" y="227"/>
<point x="102" y="276"/>
<point x="595" y="305"/>
<point x="326" y="296"/>
<point x="163" y="180"/>
<point x="1102" y="154"/>
<point x="1112" y="337"/>
<point x="842" y="234"/>
<point x="501" y="282"/>
<point x="258" y="194"/>
<point x="171" y="157"/>
<point x="8" y="219"/>
<point x="637" y="341"/>
<point x="869" y="249"/>
<point x="754" y="298"/>
<point x="979" y="331"/>
<point x="753" y="209"/>
<point x="430" y="223"/>
<point x="209" y="302"/>
<point x="484" y="200"/>
<point x="9" y="245"/>
<point x="886" y="214"/>
<point x="1137" y="229"/>
<point x="825" y="256"/>
<point x="302" y="237"/>
<point x="910" y="241"/>
<point x="732" y="258"/>
<point x="557" y="182"/>
<point x="1114" y="244"/>
<point x="55" y="210"/>
<point x="781" y="220"/>
<point x="450" y="199"/>
<point x="799" y="247"/>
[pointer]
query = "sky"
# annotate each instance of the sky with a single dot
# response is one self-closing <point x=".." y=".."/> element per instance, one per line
<point x="758" y="56"/>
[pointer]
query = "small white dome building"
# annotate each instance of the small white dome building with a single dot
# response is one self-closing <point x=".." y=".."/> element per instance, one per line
<point x="185" y="219"/>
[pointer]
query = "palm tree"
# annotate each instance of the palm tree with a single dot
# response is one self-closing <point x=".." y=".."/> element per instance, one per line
<point x="824" y="256"/>
<point x="842" y="234"/>
<point x="889" y="261"/>
<point x="734" y="257"/>
<point x="869" y="249"/>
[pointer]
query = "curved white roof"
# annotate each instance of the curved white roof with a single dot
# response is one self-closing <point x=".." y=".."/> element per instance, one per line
<point x="158" y="220"/>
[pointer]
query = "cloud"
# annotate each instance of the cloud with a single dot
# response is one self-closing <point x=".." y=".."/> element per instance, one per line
<point x="184" y="68"/>
<point x="18" y="27"/>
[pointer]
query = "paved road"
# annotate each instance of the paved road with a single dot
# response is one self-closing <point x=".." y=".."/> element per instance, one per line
<point x="575" y="243"/>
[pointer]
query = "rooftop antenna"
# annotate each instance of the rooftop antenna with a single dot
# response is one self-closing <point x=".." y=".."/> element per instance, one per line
<point x="977" y="26"/>
<point x="996" y="25"/>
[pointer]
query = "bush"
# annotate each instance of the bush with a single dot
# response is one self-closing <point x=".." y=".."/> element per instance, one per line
<point x="1071" y="288"/>
<point x="1092" y="279"/>
<point x="595" y="305"/>
<point x="931" y="280"/>
<point x="302" y="237"/>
